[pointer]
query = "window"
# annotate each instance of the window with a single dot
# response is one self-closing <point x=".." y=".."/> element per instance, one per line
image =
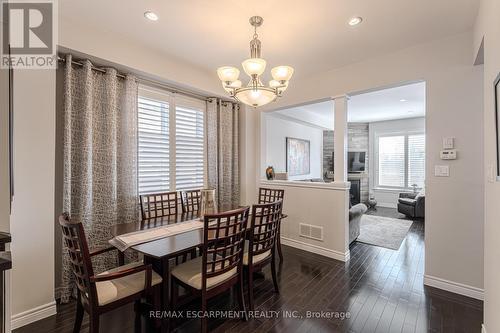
<point x="416" y="160"/>
<point x="153" y="145"/>
<point x="391" y="161"/>
<point x="171" y="142"/>
<point x="401" y="160"/>
<point x="189" y="148"/>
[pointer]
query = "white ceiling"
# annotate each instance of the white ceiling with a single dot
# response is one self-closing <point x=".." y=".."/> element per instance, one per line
<point x="401" y="102"/>
<point x="309" y="35"/>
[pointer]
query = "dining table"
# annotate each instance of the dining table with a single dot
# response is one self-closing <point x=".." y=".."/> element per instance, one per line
<point x="160" y="253"/>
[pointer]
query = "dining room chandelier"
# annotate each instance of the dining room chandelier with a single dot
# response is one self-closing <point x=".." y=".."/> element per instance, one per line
<point x="255" y="93"/>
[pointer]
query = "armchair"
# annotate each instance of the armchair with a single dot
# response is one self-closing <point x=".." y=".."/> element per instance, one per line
<point x="412" y="204"/>
<point x="355" y="214"/>
<point x="99" y="293"/>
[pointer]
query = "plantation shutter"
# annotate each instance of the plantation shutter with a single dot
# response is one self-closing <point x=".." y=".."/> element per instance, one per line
<point x="189" y="144"/>
<point x="153" y="142"/>
<point x="416" y="160"/>
<point x="391" y="161"/>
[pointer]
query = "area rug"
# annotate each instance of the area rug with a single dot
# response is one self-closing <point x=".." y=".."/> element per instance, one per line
<point x="383" y="231"/>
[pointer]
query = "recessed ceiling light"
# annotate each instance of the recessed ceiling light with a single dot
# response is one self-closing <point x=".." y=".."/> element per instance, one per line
<point x="403" y="100"/>
<point x="355" y="21"/>
<point x="151" y="16"/>
<point x="410" y="111"/>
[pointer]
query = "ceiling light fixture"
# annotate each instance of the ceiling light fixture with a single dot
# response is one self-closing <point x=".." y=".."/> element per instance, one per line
<point x="355" y="21"/>
<point x="255" y="93"/>
<point x="151" y="16"/>
<point x="403" y="100"/>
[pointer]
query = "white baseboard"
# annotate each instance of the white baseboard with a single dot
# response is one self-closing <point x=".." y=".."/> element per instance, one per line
<point x="483" y="328"/>
<point x="32" y="315"/>
<point x="337" y="255"/>
<point x="454" y="287"/>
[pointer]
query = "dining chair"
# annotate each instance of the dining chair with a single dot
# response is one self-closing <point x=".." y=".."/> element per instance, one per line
<point x="220" y="266"/>
<point x="191" y="201"/>
<point x="269" y="195"/>
<point x="159" y="204"/>
<point x="260" y="246"/>
<point x="109" y="290"/>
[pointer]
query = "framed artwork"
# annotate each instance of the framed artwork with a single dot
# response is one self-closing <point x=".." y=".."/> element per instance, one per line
<point x="496" y="87"/>
<point x="298" y="156"/>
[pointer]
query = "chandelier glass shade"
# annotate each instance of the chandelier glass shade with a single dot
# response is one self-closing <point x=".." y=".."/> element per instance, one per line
<point x="255" y="93"/>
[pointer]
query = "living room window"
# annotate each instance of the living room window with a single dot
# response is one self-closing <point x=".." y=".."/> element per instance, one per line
<point x="171" y="142"/>
<point x="400" y="160"/>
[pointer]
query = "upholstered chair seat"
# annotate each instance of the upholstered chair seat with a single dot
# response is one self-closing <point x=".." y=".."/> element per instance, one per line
<point x="255" y="259"/>
<point x="116" y="289"/>
<point x="190" y="273"/>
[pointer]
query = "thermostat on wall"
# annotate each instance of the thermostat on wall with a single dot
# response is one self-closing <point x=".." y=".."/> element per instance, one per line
<point x="450" y="154"/>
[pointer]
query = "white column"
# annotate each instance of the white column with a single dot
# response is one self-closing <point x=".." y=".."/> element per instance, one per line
<point x="249" y="154"/>
<point x="340" y="138"/>
<point x="340" y="159"/>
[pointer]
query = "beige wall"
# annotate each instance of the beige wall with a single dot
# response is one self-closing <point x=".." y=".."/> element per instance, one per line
<point x="117" y="49"/>
<point x="4" y="151"/>
<point x="454" y="205"/>
<point x="487" y="26"/>
<point x="32" y="219"/>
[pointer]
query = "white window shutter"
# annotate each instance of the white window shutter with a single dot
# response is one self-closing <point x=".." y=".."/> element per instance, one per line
<point x="153" y="146"/>
<point x="189" y="146"/>
<point x="391" y="161"/>
<point x="416" y="160"/>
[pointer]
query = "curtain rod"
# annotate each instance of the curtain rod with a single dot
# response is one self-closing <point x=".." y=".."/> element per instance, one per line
<point x="149" y="81"/>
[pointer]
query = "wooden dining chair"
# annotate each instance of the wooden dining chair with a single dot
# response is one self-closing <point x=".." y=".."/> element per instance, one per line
<point x="220" y="266"/>
<point x="159" y="204"/>
<point x="260" y="246"/>
<point x="97" y="294"/>
<point x="191" y="201"/>
<point x="269" y="195"/>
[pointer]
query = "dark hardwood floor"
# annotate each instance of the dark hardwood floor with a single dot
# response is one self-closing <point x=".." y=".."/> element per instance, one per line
<point x="380" y="289"/>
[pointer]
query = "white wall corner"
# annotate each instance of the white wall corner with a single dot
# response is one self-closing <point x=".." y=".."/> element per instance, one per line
<point x="32" y="315"/>
<point x="454" y="287"/>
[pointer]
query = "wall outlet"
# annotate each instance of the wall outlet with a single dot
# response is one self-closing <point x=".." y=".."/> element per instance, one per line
<point x="441" y="171"/>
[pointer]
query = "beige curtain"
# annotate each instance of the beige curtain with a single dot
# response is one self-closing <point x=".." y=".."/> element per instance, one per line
<point x="100" y="157"/>
<point x="222" y="149"/>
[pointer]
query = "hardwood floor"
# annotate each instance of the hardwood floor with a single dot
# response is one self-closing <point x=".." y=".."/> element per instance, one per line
<point x="380" y="289"/>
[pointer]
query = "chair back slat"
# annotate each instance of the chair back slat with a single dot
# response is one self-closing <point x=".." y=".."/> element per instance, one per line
<point x="191" y="201"/>
<point x="268" y="195"/>
<point x="159" y="204"/>
<point x="223" y="243"/>
<point x="264" y="226"/>
<point x="79" y="257"/>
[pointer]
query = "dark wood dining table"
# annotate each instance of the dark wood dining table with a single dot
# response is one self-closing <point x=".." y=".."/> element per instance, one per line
<point x="161" y="252"/>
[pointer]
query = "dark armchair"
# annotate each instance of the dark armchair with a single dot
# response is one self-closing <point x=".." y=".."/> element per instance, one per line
<point x="412" y="204"/>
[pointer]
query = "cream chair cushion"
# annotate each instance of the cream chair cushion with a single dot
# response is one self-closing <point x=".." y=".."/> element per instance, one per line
<point x="255" y="259"/>
<point x="190" y="273"/>
<point x="113" y="290"/>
